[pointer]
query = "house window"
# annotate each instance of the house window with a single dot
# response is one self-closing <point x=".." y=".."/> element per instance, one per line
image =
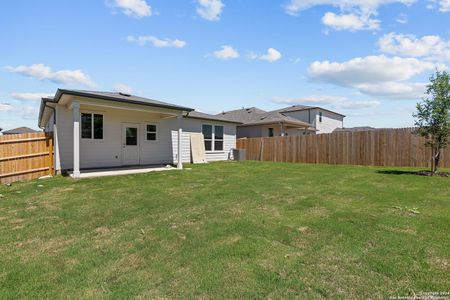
<point x="131" y="135"/>
<point x="270" y="132"/>
<point x="320" y="117"/>
<point x="91" y="126"/>
<point x="218" y="138"/>
<point x="213" y="136"/>
<point x="151" y="132"/>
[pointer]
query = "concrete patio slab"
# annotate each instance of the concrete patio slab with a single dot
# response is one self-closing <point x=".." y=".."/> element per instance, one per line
<point x="92" y="173"/>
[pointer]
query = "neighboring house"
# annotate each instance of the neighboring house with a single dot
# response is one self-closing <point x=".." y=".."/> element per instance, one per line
<point x="19" y="130"/>
<point x="105" y="129"/>
<point x="323" y="120"/>
<point x="293" y="120"/>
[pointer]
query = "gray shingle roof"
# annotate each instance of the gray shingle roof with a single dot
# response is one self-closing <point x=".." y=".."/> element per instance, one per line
<point x="293" y="108"/>
<point x="243" y="115"/>
<point x="200" y="115"/>
<point x="121" y="97"/>
<point x="110" y="96"/>
<point x="276" y="117"/>
<point x="256" y="116"/>
<point x="19" y="130"/>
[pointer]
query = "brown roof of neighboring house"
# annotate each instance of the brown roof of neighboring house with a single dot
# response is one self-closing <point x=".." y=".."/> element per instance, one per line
<point x="19" y="130"/>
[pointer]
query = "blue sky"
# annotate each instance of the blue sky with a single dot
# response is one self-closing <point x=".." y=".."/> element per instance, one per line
<point x="368" y="59"/>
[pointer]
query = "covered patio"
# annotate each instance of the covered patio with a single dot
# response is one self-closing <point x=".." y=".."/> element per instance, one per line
<point x="114" y="133"/>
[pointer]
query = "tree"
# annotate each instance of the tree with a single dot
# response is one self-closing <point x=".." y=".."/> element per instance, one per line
<point x="433" y="116"/>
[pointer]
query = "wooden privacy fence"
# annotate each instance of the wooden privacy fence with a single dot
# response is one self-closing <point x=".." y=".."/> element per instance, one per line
<point x="383" y="147"/>
<point x="25" y="156"/>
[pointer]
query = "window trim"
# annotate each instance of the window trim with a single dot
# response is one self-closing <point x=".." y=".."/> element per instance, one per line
<point x="92" y="113"/>
<point x="156" y="132"/>
<point x="213" y="138"/>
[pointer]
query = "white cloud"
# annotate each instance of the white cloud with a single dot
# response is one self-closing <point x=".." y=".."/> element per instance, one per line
<point x="354" y="15"/>
<point x="123" y="88"/>
<point x="365" y="6"/>
<point x="5" y="107"/>
<point x="28" y="112"/>
<point x="443" y="5"/>
<point x="42" y="72"/>
<point x="431" y="47"/>
<point x="351" y="22"/>
<point x="30" y="96"/>
<point x="368" y="69"/>
<point x="272" y="55"/>
<point x="210" y="9"/>
<point x="394" y="90"/>
<point x="133" y="8"/>
<point x="374" y="75"/>
<point x="402" y="19"/>
<point x="337" y="102"/>
<point x="227" y="52"/>
<point x="158" y="43"/>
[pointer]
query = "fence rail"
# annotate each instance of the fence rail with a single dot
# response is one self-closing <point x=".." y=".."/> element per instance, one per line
<point x="25" y="156"/>
<point x="383" y="147"/>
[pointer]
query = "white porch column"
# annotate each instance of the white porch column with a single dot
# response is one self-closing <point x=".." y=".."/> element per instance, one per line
<point x="180" y="133"/>
<point x="76" y="139"/>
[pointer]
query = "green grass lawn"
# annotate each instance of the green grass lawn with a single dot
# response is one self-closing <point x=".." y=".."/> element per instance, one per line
<point x="227" y="230"/>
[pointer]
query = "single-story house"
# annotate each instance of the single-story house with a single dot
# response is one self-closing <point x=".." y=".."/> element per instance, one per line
<point x="292" y="120"/>
<point x="19" y="130"/>
<point x="107" y="129"/>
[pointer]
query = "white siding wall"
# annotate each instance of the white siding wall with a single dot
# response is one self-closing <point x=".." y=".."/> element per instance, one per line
<point x="329" y="122"/>
<point x="195" y="125"/>
<point x="108" y="152"/>
<point x="302" y="115"/>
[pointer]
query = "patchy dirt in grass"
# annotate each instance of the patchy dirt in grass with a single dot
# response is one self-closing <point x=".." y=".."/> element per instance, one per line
<point x="440" y="262"/>
<point x="34" y="247"/>
<point x="230" y="240"/>
<point x="16" y="221"/>
<point x="130" y="262"/>
<point x="407" y="230"/>
<point x="102" y="230"/>
<point x="318" y="211"/>
<point x="303" y="229"/>
<point x="429" y="173"/>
